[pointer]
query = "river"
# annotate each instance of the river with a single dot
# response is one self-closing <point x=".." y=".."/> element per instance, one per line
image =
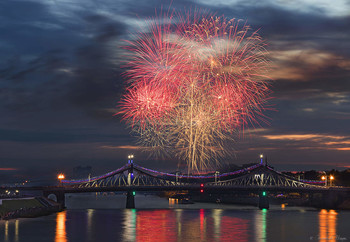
<point x="157" y="219"/>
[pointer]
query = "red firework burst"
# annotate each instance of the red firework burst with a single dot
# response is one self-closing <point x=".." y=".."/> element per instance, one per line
<point x="193" y="82"/>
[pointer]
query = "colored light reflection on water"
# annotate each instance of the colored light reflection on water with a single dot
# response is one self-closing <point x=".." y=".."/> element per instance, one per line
<point x="16" y="229"/>
<point x="160" y="225"/>
<point x="129" y="225"/>
<point x="328" y="225"/>
<point x="217" y="215"/>
<point x="261" y="224"/>
<point x="61" y="234"/>
<point x="245" y="224"/>
<point x="6" y="230"/>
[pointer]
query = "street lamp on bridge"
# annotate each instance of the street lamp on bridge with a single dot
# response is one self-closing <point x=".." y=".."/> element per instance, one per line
<point x="262" y="159"/>
<point x="324" y="178"/>
<point x="331" y="178"/>
<point x="130" y="157"/>
<point x="60" y="177"/>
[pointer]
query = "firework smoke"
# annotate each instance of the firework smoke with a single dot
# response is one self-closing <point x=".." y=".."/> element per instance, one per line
<point x="193" y="83"/>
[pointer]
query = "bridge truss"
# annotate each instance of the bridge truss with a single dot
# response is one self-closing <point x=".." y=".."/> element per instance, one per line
<point x="258" y="175"/>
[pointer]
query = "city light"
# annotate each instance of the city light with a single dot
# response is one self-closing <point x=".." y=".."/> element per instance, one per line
<point x="130" y="157"/>
<point x="328" y="179"/>
<point x="261" y="158"/>
<point x="264" y="194"/>
<point x="60" y="176"/>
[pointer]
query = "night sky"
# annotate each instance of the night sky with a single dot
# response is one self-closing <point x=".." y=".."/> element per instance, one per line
<point x="60" y="82"/>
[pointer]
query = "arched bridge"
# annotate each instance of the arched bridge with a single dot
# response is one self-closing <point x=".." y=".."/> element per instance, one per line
<point x="258" y="175"/>
<point x="259" y="179"/>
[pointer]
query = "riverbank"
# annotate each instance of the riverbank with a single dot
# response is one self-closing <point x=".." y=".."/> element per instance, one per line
<point x="27" y="207"/>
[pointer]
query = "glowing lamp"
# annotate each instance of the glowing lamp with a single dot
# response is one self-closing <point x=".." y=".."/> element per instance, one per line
<point x="60" y="176"/>
<point x="323" y="178"/>
<point x="331" y="177"/>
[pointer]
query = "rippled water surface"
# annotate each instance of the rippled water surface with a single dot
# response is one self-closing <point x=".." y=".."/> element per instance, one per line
<point x="182" y="223"/>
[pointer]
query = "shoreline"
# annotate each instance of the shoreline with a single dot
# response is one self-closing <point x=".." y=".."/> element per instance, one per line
<point x="28" y="208"/>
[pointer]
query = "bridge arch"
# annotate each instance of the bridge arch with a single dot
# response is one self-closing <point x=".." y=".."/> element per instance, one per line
<point x="52" y="197"/>
<point x="58" y="193"/>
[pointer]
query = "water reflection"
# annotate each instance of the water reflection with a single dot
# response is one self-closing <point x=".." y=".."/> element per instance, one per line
<point x="16" y="229"/>
<point x="61" y="235"/>
<point x="202" y="224"/>
<point x="327" y="225"/>
<point x="6" y="231"/>
<point x="156" y="225"/>
<point x="90" y="214"/>
<point x="216" y="215"/>
<point x="260" y="224"/>
<point x="179" y="223"/>
<point x="234" y="229"/>
<point x="129" y="225"/>
<point x="9" y="236"/>
<point x="172" y="202"/>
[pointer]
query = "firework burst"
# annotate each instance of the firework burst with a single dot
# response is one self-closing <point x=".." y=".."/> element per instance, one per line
<point x="193" y="83"/>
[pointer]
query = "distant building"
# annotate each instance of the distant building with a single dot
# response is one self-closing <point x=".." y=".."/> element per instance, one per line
<point x="80" y="172"/>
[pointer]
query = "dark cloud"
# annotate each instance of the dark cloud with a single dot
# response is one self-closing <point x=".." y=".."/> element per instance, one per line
<point x="59" y="136"/>
<point x="61" y="79"/>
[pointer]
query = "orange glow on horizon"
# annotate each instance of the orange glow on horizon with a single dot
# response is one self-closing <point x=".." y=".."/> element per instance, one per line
<point x="318" y="141"/>
<point x="298" y="137"/>
<point x="8" y="169"/>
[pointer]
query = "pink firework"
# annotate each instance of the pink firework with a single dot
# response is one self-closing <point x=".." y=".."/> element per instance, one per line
<point x="194" y="81"/>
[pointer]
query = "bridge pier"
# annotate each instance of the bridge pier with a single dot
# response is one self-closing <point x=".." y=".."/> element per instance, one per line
<point x="263" y="201"/>
<point x="330" y="200"/>
<point x="60" y="196"/>
<point x="130" y="200"/>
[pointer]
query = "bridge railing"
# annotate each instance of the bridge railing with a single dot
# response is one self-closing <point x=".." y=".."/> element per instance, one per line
<point x="104" y="176"/>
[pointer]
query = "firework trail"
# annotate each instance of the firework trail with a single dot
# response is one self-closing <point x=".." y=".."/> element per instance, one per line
<point x="194" y="81"/>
